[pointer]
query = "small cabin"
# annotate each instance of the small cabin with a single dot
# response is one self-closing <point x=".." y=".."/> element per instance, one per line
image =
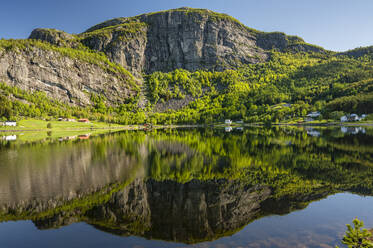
<point x="10" y="124"/>
<point x="84" y="120"/>
<point x="354" y="117"/>
<point x="228" y="122"/>
<point x="314" y="114"/>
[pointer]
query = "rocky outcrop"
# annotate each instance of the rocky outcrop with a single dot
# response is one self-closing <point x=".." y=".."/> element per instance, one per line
<point x="53" y="36"/>
<point x="61" y="77"/>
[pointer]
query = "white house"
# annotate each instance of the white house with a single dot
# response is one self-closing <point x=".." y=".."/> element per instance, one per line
<point x="354" y="117"/>
<point x="344" y="118"/>
<point x="10" y="123"/>
<point x="314" y="114"/>
<point x="228" y="122"/>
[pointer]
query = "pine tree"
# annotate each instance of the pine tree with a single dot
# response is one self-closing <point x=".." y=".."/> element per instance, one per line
<point x="357" y="236"/>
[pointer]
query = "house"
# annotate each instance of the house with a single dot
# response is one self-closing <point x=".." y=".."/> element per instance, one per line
<point x="353" y="130"/>
<point x="314" y="114"/>
<point x="10" y="124"/>
<point x="354" y="117"/>
<point x="344" y="118"/>
<point x="228" y="122"/>
<point x="84" y="120"/>
<point x="66" y="119"/>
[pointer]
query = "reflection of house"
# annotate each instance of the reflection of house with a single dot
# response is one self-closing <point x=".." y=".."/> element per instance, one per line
<point x="10" y="137"/>
<point x="239" y="122"/>
<point x="67" y="138"/>
<point x="314" y="114"/>
<point x="239" y="128"/>
<point x="353" y="130"/>
<point x="84" y="136"/>
<point x="312" y="132"/>
<point x="84" y="120"/>
<point x="228" y="122"/>
<point x="228" y="129"/>
<point x="10" y="123"/>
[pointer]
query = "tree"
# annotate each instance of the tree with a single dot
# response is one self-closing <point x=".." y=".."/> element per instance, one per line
<point x="357" y="236"/>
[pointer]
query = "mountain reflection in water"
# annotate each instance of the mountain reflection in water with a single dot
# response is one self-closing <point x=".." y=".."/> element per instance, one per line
<point x="185" y="186"/>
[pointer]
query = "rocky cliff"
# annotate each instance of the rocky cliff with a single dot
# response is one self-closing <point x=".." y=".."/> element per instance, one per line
<point x="64" y="74"/>
<point x="187" y="38"/>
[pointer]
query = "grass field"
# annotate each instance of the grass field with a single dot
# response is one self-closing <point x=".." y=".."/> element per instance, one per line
<point x="28" y="125"/>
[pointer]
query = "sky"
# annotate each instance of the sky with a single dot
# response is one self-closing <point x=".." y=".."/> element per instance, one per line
<point x="337" y="25"/>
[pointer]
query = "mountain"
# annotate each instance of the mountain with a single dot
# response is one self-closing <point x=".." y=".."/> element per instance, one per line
<point x="136" y="68"/>
<point x="184" y="38"/>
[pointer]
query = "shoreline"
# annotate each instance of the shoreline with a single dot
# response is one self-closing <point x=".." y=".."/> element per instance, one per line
<point x="142" y="127"/>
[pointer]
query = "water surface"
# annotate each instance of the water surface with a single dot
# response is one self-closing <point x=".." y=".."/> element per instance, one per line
<point x="251" y="187"/>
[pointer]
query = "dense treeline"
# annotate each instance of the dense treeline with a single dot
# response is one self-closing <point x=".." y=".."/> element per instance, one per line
<point x="18" y="104"/>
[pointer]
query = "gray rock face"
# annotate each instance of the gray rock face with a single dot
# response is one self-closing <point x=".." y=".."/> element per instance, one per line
<point x="122" y="46"/>
<point x="193" y="39"/>
<point x="181" y="39"/>
<point x="62" y="78"/>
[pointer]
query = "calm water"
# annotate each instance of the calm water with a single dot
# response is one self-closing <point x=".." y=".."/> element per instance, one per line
<point x="251" y="187"/>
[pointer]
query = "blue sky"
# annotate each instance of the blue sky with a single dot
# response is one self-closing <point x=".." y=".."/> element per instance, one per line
<point x="334" y="24"/>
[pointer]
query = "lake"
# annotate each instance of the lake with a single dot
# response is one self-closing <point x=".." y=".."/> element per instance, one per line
<point x="213" y="187"/>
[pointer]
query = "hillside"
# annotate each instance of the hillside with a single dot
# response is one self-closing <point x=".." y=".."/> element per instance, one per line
<point x="179" y="66"/>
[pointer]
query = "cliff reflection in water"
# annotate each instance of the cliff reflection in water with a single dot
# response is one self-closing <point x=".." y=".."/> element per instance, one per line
<point x="181" y="185"/>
